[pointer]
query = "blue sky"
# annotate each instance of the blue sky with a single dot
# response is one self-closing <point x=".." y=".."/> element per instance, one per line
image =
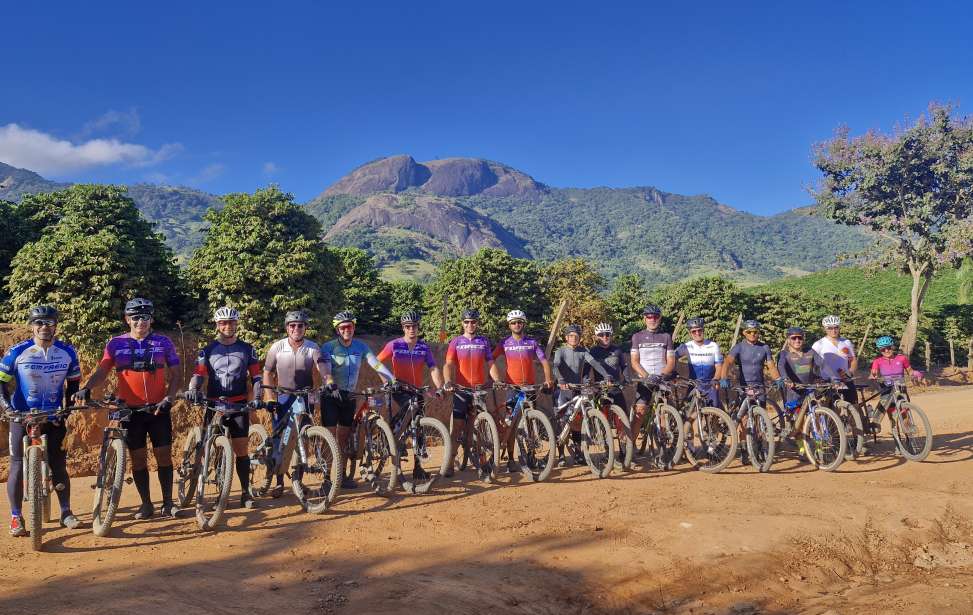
<point x="719" y="98"/>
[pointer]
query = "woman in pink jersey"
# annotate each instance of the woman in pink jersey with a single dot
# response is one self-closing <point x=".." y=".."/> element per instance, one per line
<point x="889" y="366"/>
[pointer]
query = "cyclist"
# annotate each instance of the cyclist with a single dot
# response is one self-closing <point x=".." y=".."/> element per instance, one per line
<point x="797" y="365"/>
<point x="519" y="352"/>
<point x="226" y="365"/>
<point x="146" y="363"/>
<point x="468" y="359"/>
<point x="888" y="365"/>
<point x="704" y="360"/>
<point x="611" y="359"/>
<point x="571" y="365"/>
<point x="651" y="356"/>
<point x="290" y="364"/>
<point x="410" y="357"/>
<point x="346" y="356"/>
<point x="840" y="362"/>
<point x="40" y="369"/>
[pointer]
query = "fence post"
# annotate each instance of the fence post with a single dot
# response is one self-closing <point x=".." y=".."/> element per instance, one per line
<point x="952" y="356"/>
<point x="969" y="356"/>
<point x="929" y="358"/>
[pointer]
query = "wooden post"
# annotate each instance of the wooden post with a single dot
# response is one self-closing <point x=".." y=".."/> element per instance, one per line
<point x="675" y="330"/>
<point x="952" y="355"/>
<point x="861" y="346"/>
<point x="736" y="331"/>
<point x="556" y="326"/>
<point x="929" y="358"/>
<point x="969" y="357"/>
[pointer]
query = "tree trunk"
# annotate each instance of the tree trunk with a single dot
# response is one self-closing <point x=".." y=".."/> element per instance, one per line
<point x="921" y="276"/>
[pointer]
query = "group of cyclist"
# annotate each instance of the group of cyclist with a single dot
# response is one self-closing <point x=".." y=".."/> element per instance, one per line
<point x="43" y="374"/>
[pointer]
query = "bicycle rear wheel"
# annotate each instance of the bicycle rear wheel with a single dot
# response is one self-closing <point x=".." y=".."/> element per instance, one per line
<point x="912" y="431"/>
<point x="624" y="443"/>
<point x="596" y="443"/>
<point x="215" y="481"/>
<point x="260" y="473"/>
<point x="379" y="464"/>
<point x="854" y="429"/>
<point x="109" y="493"/>
<point x="35" y="495"/>
<point x="486" y="446"/>
<point x="761" y="440"/>
<point x="536" y="447"/>
<point x="432" y="452"/>
<point x="666" y="435"/>
<point x="824" y="439"/>
<point x="187" y="471"/>
<point x="715" y="446"/>
<point x="317" y="483"/>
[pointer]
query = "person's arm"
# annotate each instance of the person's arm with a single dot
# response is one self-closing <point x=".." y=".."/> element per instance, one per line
<point x="495" y="372"/>
<point x="595" y="365"/>
<point x="777" y="374"/>
<point x="637" y="364"/>
<point x="873" y="370"/>
<point x="449" y="368"/>
<point x="255" y="372"/>
<point x="73" y="380"/>
<point x="437" y="377"/>
<point x="670" y="358"/>
<point x="548" y="374"/>
<point x="173" y="370"/>
<point x="379" y="367"/>
<point x="269" y="379"/>
<point x="852" y="360"/>
<point x="323" y="362"/>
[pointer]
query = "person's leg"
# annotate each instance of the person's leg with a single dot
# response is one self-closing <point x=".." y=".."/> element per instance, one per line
<point x="57" y="458"/>
<point x="458" y="430"/>
<point x="160" y="433"/>
<point x="15" y="479"/>
<point x="239" y="426"/>
<point x="345" y="416"/>
<point x="137" y="433"/>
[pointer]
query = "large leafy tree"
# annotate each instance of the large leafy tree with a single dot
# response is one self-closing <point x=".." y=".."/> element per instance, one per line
<point x="262" y="254"/>
<point x="914" y="189"/>
<point x="88" y="260"/>
<point x="717" y="300"/>
<point x="577" y="281"/>
<point x="491" y="281"/>
<point x="628" y="297"/>
<point x="366" y="294"/>
<point x="407" y="295"/>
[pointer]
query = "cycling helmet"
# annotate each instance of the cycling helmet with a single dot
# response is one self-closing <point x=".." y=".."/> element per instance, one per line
<point x="343" y="317"/>
<point x="471" y="314"/>
<point x="749" y="325"/>
<point x="603" y="327"/>
<point x="226" y="313"/>
<point x="42" y="312"/>
<point x="139" y="306"/>
<point x="410" y="317"/>
<point x="830" y="321"/>
<point x="695" y="323"/>
<point x="515" y="315"/>
<point x="572" y="329"/>
<point x="885" y="341"/>
<point x="296" y="316"/>
<point x="795" y="331"/>
<point x="652" y="310"/>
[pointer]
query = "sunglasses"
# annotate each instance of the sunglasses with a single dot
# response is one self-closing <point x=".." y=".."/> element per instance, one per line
<point x="223" y="323"/>
<point x="751" y="332"/>
<point x="888" y="349"/>
<point x="695" y="331"/>
<point x="346" y="327"/>
<point x="604" y="334"/>
<point x="296" y="325"/>
<point x="796" y="337"/>
<point x="410" y="326"/>
<point x="470" y="322"/>
<point x="831" y="328"/>
<point x="653" y="316"/>
<point x="516" y="322"/>
<point x="140" y="318"/>
<point x="45" y="323"/>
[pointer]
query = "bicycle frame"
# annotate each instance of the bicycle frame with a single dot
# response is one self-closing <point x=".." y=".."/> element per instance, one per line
<point x="221" y="410"/>
<point x="285" y="437"/>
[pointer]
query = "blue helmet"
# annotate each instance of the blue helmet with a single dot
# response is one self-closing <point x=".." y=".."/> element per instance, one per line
<point x="885" y="341"/>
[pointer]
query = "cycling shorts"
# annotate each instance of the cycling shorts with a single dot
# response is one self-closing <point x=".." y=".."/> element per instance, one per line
<point x="142" y="425"/>
<point x="462" y="402"/>
<point x="238" y="424"/>
<point x="338" y="411"/>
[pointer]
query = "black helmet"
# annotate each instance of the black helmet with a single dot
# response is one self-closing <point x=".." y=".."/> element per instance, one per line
<point x="296" y="316"/>
<point x="651" y="310"/>
<point x="139" y="306"/>
<point x="410" y="317"/>
<point x="572" y="329"/>
<point x="749" y="325"/>
<point x="343" y="316"/>
<point x="695" y="323"/>
<point x="42" y="312"/>
<point x="795" y="331"/>
<point x="471" y="314"/>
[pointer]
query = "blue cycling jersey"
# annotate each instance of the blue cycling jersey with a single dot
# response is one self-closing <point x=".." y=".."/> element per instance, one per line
<point x="40" y="374"/>
<point x="346" y="362"/>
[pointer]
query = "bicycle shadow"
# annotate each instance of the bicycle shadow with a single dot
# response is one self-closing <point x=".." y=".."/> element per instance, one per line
<point x="951" y="445"/>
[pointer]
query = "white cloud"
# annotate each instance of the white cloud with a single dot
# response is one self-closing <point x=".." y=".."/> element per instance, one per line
<point x="38" y="151"/>
<point x="208" y="173"/>
<point x="270" y="168"/>
<point x="113" y="123"/>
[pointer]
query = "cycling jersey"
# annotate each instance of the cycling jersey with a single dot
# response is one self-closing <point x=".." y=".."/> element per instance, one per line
<point x="227" y="368"/>
<point x="891" y="368"/>
<point x="408" y="364"/>
<point x="140" y="365"/>
<point x="294" y="368"/>
<point x="837" y="356"/>
<point x="653" y="349"/>
<point x="519" y="356"/>
<point x="472" y="356"/>
<point x="703" y="358"/>
<point x="346" y="362"/>
<point x="40" y="374"/>
<point x="611" y="359"/>
<point x="750" y="359"/>
<point x="800" y="367"/>
<point x="572" y="365"/>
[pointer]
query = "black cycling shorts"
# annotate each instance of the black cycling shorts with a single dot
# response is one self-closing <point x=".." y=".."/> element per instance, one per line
<point x="337" y="411"/>
<point x="238" y="424"/>
<point x="462" y="402"/>
<point x="142" y="425"/>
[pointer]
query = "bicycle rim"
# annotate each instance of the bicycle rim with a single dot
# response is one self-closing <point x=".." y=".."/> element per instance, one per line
<point x="108" y="495"/>
<point x="667" y="437"/>
<point x="714" y="447"/>
<point x="622" y="431"/>
<point x="761" y="440"/>
<point x="187" y="472"/>
<point x="320" y="479"/>
<point x="214" y="483"/>
<point x="536" y="447"/>
<point x="824" y="441"/>
<point x="431" y="453"/>
<point x="379" y="462"/>
<point x="35" y="496"/>
<point x="912" y="432"/>
<point x="486" y="445"/>
<point x="596" y="443"/>
<point x="260" y="474"/>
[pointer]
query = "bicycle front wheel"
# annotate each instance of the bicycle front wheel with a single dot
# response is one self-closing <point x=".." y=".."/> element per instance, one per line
<point x="112" y="480"/>
<point x="854" y="429"/>
<point x="432" y="452"/>
<point x="188" y="470"/>
<point x="912" y="431"/>
<point x="666" y="435"/>
<point x="257" y="449"/>
<point x="379" y="465"/>
<point x="761" y="440"/>
<point x="624" y="442"/>
<point x="215" y="481"/>
<point x="712" y="442"/>
<point x="35" y="495"/>
<point x="536" y="448"/>
<point x="486" y="446"/>
<point x="317" y="483"/>
<point x="596" y="443"/>
<point x="824" y="439"/>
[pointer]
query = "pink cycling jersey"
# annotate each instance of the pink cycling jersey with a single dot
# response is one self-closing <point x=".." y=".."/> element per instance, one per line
<point x="890" y="368"/>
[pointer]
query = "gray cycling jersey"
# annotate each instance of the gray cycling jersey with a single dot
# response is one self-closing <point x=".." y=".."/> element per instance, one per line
<point x="750" y="360"/>
<point x="612" y="359"/>
<point x="294" y="368"/>
<point x="571" y="365"/>
<point x="653" y="349"/>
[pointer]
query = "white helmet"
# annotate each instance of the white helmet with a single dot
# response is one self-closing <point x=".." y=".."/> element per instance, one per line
<point x="830" y="321"/>
<point x="603" y="327"/>
<point x="513" y="315"/>
<point x="226" y="313"/>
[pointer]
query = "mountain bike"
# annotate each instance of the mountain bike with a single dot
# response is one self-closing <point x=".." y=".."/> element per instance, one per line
<point x="757" y="427"/>
<point x="206" y="469"/>
<point x="851" y="418"/>
<point x="710" y="441"/>
<point x="307" y="453"/>
<point x="908" y="423"/>
<point x="371" y="446"/>
<point x="661" y="427"/>
<point x="427" y="437"/>
<point x="597" y="445"/>
<point x="534" y="435"/>
<point x="112" y="459"/>
<point x="822" y="433"/>
<point x="481" y="444"/>
<point x="38" y="480"/>
<point x="622" y="439"/>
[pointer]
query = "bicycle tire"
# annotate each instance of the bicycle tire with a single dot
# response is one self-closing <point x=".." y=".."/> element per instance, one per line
<point x="596" y="434"/>
<point x="35" y="495"/>
<point x="622" y="435"/>
<point x="667" y="443"/>
<point x="379" y="462"/>
<point x="854" y="429"/>
<point x="719" y="445"/>
<point x="210" y="506"/>
<point x="486" y="443"/>
<point x="908" y="445"/>
<point x="761" y="441"/>
<point x="818" y="447"/>
<point x="320" y="462"/>
<point x="533" y="430"/>
<point x="260" y="474"/>
<point x="188" y="470"/>
<point x="110" y="493"/>
<point x="437" y="446"/>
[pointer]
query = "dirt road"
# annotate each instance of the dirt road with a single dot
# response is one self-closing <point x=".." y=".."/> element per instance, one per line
<point x="879" y="536"/>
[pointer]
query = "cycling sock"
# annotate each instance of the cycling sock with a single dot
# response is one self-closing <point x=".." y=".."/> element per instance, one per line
<point x="141" y="480"/>
<point x="15" y="483"/>
<point x="576" y="437"/>
<point x="15" y="512"/>
<point x="243" y="471"/>
<point x="165" y="481"/>
<point x="64" y="497"/>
